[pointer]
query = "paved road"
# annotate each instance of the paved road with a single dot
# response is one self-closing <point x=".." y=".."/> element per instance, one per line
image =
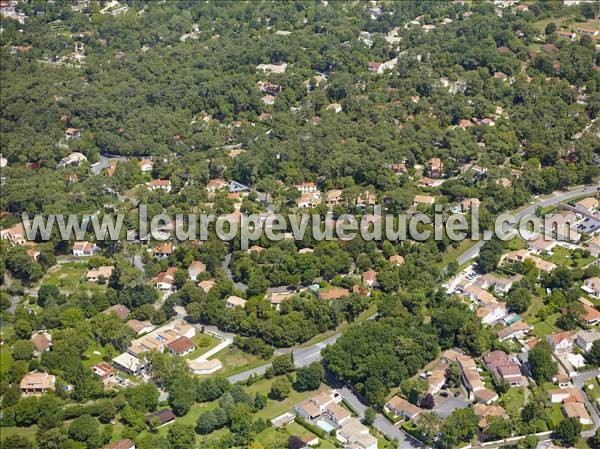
<point x="530" y="210"/>
<point x="238" y="285"/>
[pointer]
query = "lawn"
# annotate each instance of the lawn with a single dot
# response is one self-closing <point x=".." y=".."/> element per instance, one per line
<point x="235" y="360"/>
<point x="530" y="316"/>
<point x="556" y="414"/>
<point x="546" y="327"/>
<point x="93" y="354"/>
<point x="27" y="432"/>
<point x="268" y="436"/>
<point x="593" y="389"/>
<point x="564" y="257"/>
<point x="513" y="400"/>
<point x="203" y="343"/>
<point x="5" y="359"/>
<point x="70" y="277"/>
<point x="275" y="408"/>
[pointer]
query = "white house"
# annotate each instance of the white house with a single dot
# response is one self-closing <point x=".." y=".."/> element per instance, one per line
<point x="592" y="286"/>
<point x="81" y="249"/>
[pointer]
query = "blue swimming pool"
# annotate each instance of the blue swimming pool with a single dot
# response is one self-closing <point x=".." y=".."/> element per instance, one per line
<point x="325" y="425"/>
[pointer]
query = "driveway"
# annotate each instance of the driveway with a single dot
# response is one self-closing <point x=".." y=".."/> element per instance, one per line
<point x="445" y="406"/>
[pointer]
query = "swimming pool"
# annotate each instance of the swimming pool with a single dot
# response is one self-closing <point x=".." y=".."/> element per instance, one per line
<point x="325" y="425"/>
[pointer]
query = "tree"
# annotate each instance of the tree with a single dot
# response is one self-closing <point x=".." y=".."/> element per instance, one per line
<point x="283" y="364"/>
<point x="281" y="388"/>
<point x="594" y="355"/>
<point x="498" y="428"/>
<point x="459" y="427"/>
<point x="84" y="429"/>
<point x="594" y="441"/>
<point x="543" y="367"/>
<point x="17" y="442"/>
<point x="569" y="431"/>
<point x="143" y="397"/>
<point x="309" y="377"/>
<point x="45" y="292"/>
<point x="550" y="28"/>
<point x="181" y="436"/>
<point x="369" y="418"/>
<point x="589" y="10"/>
<point x="182" y="394"/>
<point x="22" y="350"/>
<point x="519" y="299"/>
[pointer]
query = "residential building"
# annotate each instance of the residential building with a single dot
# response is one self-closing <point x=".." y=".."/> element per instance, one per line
<point x="469" y="203"/>
<point x="586" y="338"/>
<point x="35" y="383"/>
<point x="206" y="286"/>
<point x="590" y="315"/>
<point x="566" y="34"/>
<point x="83" y="249"/>
<point x="594" y="246"/>
<point x="592" y="286"/>
<point x="570" y="394"/>
<point x="103" y="370"/>
<point x="72" y="134"/>
<point x="504" y="369"/>
<point x="161" y="418"/>
<point x="181" y="346"/>
<point x="146" y="165"/>
<point x="216" y="184"/>
<point x="541" y="245"/>
<point x="118" y="309"/>
<point x="308" y="200"/>
<point x="195" y="268"/>
<point x="473" y="382"/>
<point x="15" y="235"/>
<point x="401" y="408"/>
<point x="423" y="199"/>
<point x="560" y="342"/>
<point x="588" y="31"/>
<point x="501" y="284"/>
<point x="102" y="272"/>
<point x="370" y="278"/>
<point x="333" y="197"/>
<point x="396" y="260"/>
<point x="160" y="184"/>
<point x="436" y="167"/>
<point x="74" y="158"/>
<point x="235" y="301"/>
<point x="578" y="411"/>
<point x="140" y="327"/>
<point x="163" y="250"/>
<point x="483" y="412"/>
<point x="166" y="280"/>
<point x="272" y="68"/>
<point x="306" y="187"/>
<point x="516" y="330"/>
<point x="490" y="313"/>
<point x="122" y="444"/>
<point x="335" y="107"/>
<point x="202" y="367"/>
<point x="129" y="364"/>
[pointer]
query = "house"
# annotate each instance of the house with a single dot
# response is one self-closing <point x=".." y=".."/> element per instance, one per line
<point x="216" y="184"/>
<point x="333" y="293"/>
<point x="160" y="184"/>
<point x="268" y="100"/>
<point x="590" y="315"/>
<point x="483" y="412"/>
<point x="370" y="278"/>
<point x="586" y="338"/>
<point x="235" y="301"/>
<point x="82" y="249"/>
<point x="436" y="380"/>
<point x="308" y="200"/>
<point x="396" y="260"/>
<point x="436" y="167"/>
<point x="473" y="382"/>
<point x="541" y="245"/>
<point x="336" y="414"/>
<point x="549" y="48"/>
<point x="477" y="294"/>
<point x="401" y="408"/>
<point x="272" y="68"/>
<point x="307" y="410"/>
<point x="282" y="420"/>
<point x="490" y="313"/>
<point x="501" y="284"/>
<point x="356" y="435"/>
<point x="566" y="34"/>
<point x="587" y="31"/>
<point x="504" y="369"/>
<point x="469" y="203"/>
<point x="335" y="107"/>
<point x="42" y="341"/>
<point x="517" y="330"/>
<point x="195" y="268"/>
<point x="181" y="346"/>
<point x="122" y="444"/>
<point x="35" y="383"/>
<point x="423" y="199"/>
<point x="592" y="286"/>
<point x="542" y="265"/>
<point x="140" y="327"/>
<point x="578" y="411"/>
<point x="163" y="250"/>
<point x="74" y="158"/>
<point x="306" y="187"/>
<point x="565" y="395"/>
<point x="15" y="235"/>
<point x="102" y="272"/>
<point x="166" y="279"/>
<point x="594" y="246"/>
<point x="206" y="286"/>
<point x="430" y="182"/>
<point x="333" y="197"/>
<point x="118" y="309"/>
<point x="129" y="364"/>
<point x="310" y="440"/>
<point x="560" y="342"/>
<point x="146" y="165"/>
<point x="161" y="418"/>
<point x="380" y="67"/>
<point x="504" y="182"/>
<point x="72" y="134"/>
<point x="103" y="370"/>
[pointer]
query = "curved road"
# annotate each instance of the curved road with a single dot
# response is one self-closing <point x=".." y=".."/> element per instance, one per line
<point x="556" y="198"/>
<point x="308" y="355"/>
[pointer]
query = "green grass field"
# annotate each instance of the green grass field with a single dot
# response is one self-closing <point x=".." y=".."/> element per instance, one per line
<point x="203" y="343"/>
<point x="70" y="277"/>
